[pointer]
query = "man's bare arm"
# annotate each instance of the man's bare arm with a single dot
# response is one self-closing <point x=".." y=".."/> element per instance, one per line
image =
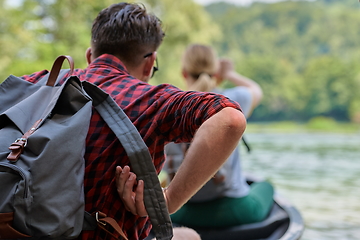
<point x="213" y="143"/>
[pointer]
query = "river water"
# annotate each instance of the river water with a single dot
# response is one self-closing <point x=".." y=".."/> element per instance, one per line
<point x="318" y="172"/>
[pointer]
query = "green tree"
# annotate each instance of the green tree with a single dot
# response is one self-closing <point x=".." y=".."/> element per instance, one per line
<point x="37" y="31"/>
<point x="304" y="54"/>
<point x="331" y="87"/>
<point x="184" y="22"/>
<point x="289" y="40"/>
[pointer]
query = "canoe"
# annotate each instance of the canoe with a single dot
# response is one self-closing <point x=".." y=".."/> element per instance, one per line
<point x="284" y="222"/>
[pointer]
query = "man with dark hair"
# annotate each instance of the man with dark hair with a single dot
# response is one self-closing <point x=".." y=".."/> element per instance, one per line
<point x="119" y="30"/>
<point x="121" y="58"/>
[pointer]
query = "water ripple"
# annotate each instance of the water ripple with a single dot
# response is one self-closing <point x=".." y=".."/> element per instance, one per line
<point x="319" y="173"/>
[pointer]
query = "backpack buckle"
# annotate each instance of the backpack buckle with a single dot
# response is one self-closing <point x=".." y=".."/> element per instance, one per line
<point x="17" y="147"/>
<point x="24" y="140"/>
<point x="98" y="220"/>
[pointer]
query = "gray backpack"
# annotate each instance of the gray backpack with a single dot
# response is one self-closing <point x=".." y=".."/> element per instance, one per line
<point x="43" y="128"/>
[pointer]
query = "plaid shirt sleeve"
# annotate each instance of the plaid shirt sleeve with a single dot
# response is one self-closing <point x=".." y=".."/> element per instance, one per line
<point x="184" y="112"/>
<point x="35" y="77"/>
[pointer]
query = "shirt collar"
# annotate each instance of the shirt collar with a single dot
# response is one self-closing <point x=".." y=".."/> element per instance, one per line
<point x="110" y="61"/>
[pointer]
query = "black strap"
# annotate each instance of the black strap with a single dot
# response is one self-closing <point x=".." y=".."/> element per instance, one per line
<point x="246" y="144"/>
<point x="89" y="222"/>
<point x="139" y="156"/>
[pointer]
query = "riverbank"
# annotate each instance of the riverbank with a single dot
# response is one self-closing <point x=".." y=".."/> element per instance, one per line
<point x="321" y="125"/>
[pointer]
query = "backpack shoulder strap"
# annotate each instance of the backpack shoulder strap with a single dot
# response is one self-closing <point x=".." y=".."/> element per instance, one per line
<point x="56" y="73"/>
<point x="139" y="156"/>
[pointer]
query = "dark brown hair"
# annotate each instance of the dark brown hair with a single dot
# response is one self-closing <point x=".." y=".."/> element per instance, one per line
<point x="127" y="31"/>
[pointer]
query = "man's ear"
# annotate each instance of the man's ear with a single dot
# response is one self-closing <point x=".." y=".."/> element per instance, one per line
<point x="148" y="66"/>
<point x="184" y="73"/>
<point x="88" y="55"/>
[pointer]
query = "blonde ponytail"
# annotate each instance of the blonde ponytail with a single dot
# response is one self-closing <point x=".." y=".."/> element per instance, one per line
<point x="204" y="83"/>
<point x="200" y="63"/>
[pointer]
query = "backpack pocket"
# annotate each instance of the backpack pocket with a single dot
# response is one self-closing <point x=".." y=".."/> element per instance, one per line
<point x="14" y="191"/>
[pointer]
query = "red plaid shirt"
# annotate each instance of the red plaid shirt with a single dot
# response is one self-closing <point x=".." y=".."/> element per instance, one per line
<point x="161" y="114"/>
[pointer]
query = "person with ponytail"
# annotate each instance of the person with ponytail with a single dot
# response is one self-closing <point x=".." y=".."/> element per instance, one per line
<point x="225" y="200"/>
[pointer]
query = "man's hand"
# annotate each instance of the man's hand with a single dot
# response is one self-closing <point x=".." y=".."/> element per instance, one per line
<point x="131" y="191"/>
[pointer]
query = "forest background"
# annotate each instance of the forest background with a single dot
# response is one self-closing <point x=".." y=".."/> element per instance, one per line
<point x="304" y="54"/>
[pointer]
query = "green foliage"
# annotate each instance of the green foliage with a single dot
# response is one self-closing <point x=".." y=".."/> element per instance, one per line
<point x="322" y="123"/>
<point x="327" y="124"/>
<point x="36" y="32"/>
<point x="184" y="22"/>
<point x="280" y="126"/>
<point x="331" y="87"/>
<point x="304" y="54"/>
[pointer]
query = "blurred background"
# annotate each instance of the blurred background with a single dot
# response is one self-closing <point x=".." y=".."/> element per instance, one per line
<point x="305" y="54"/>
